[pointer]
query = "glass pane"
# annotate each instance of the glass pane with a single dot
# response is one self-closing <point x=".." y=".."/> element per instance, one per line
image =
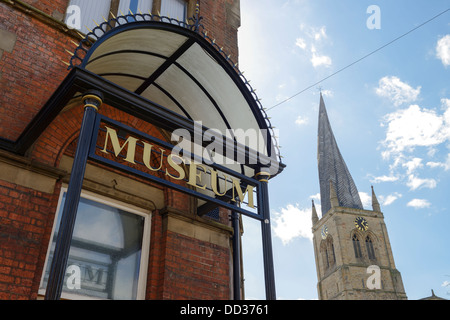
<point x="174" y="9"/>
<point x="134" y="5"/>
<point x="105" y="252"/>
<point x="88" y="12"/>
<point x="253" y="259"/>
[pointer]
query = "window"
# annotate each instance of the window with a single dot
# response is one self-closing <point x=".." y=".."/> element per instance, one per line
<point x="329" y="257"/>
<point x="369" y="247"/>
<point x="83" y="14"/>
<point x="324" y="252"/>
<point x="334" y="256"/>
<point x="356" y="246"/>
<point x="109" y="251"/>
<point x="144" y="6"/>
<point x="174" y="8"/>
<point x="326" y="257"/>
<point x="125" y="6"/>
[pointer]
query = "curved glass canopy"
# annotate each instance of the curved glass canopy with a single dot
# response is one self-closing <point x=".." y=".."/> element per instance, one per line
<point x="177" y="66"/>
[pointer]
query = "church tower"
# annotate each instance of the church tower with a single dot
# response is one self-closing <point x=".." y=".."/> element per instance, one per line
<point x="353" y="254"/>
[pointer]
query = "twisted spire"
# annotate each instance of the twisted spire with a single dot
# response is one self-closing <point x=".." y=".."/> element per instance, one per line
<point x="332" y="169"/>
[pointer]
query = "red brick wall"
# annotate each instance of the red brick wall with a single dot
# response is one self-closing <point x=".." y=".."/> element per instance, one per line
<point x="215" y="15"/>
<point x="184" y="268"/>
<point x="179" y="267"/>
<point x="24" y="229"/>
<point x="155" y="274"/>
<point x="50" y="7"/>
<point x="31" y="72"/>
<point x="204" y="272"/>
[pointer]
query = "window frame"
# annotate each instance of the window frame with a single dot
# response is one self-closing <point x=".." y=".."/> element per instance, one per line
<point x="332" y="251"/>
<point x="328" y="254"/>
<point x="185" y="10"/>
<point x="145" y="248"/>
<point x="356" y="246"/>
<point x="156" y="9"/>
<point x="370" y="248"/>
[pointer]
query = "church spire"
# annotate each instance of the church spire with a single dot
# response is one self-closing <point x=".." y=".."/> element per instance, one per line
<point x="314" y="216"/>
<point x="332" y="168"/>
<point x="375" y="203"/>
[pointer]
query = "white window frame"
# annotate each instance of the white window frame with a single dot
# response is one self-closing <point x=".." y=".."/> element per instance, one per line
<point x="185" y="9"/>
<point x="76" y="15"/>
<point x="125" y="9"/>
<point x="145" y="250"/>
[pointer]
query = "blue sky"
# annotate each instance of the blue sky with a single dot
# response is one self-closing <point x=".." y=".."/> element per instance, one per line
<point x="390" y="114"/>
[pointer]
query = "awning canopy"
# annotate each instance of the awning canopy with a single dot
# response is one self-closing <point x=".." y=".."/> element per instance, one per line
<point x="171" y="74"/>
<point x="177" y="66"/>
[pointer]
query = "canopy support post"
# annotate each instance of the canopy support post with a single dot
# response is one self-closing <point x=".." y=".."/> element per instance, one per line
<point x="92" y="102"/>
<point x="263" y="204"/>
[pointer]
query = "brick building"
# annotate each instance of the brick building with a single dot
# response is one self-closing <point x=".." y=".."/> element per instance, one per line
<point x="147" y="226"/>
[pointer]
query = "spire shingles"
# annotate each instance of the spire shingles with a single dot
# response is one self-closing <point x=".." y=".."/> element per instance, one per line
<point x="332" y="168"/>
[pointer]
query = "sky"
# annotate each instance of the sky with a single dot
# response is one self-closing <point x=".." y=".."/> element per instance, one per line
<point x="390" y="114"/>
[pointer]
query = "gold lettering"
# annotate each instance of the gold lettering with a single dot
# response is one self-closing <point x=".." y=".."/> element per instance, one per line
<point x="214" y="185"/>
<point x="131" y="141"/>
<point x="193" y="175"/>
<point x="241" y="195"/>
<point x="148" y="155"/>
<point x="196" y="170"/>
<point x="175" y="166"/>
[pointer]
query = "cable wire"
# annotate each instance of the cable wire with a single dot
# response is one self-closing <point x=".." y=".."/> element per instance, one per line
<point x="360" y="59"/>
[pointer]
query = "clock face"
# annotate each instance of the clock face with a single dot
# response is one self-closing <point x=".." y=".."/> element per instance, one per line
<point x="324" y="232"/>
<point x="361" y="224"/>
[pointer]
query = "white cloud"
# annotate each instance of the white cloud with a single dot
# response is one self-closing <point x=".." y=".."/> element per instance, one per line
<point x="433" y="164"/>
<point x="320" y="60"/>
<point x="412" y="165"/>
<point x="301" y="120"/>
<point x="327" y="93"/>
<point x="301" y="43"/>
<point x="407" y="130"/>
<point x="314" y="37"/>
<point x="390" y="199"/>
<point x="415" y="127"/>
<point x="419" y="203"/>
<point x="366" y="199"/>
<point x="445" y="165"/>
<point x="443" y="50"/>
<point x="384" y="178"/>
<point x="445" y="103"/>
<point x="397" y="91"/>
<point x="293" y="222"/>
<point x="415" y="183"/>
<point x="320" y="34"/>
